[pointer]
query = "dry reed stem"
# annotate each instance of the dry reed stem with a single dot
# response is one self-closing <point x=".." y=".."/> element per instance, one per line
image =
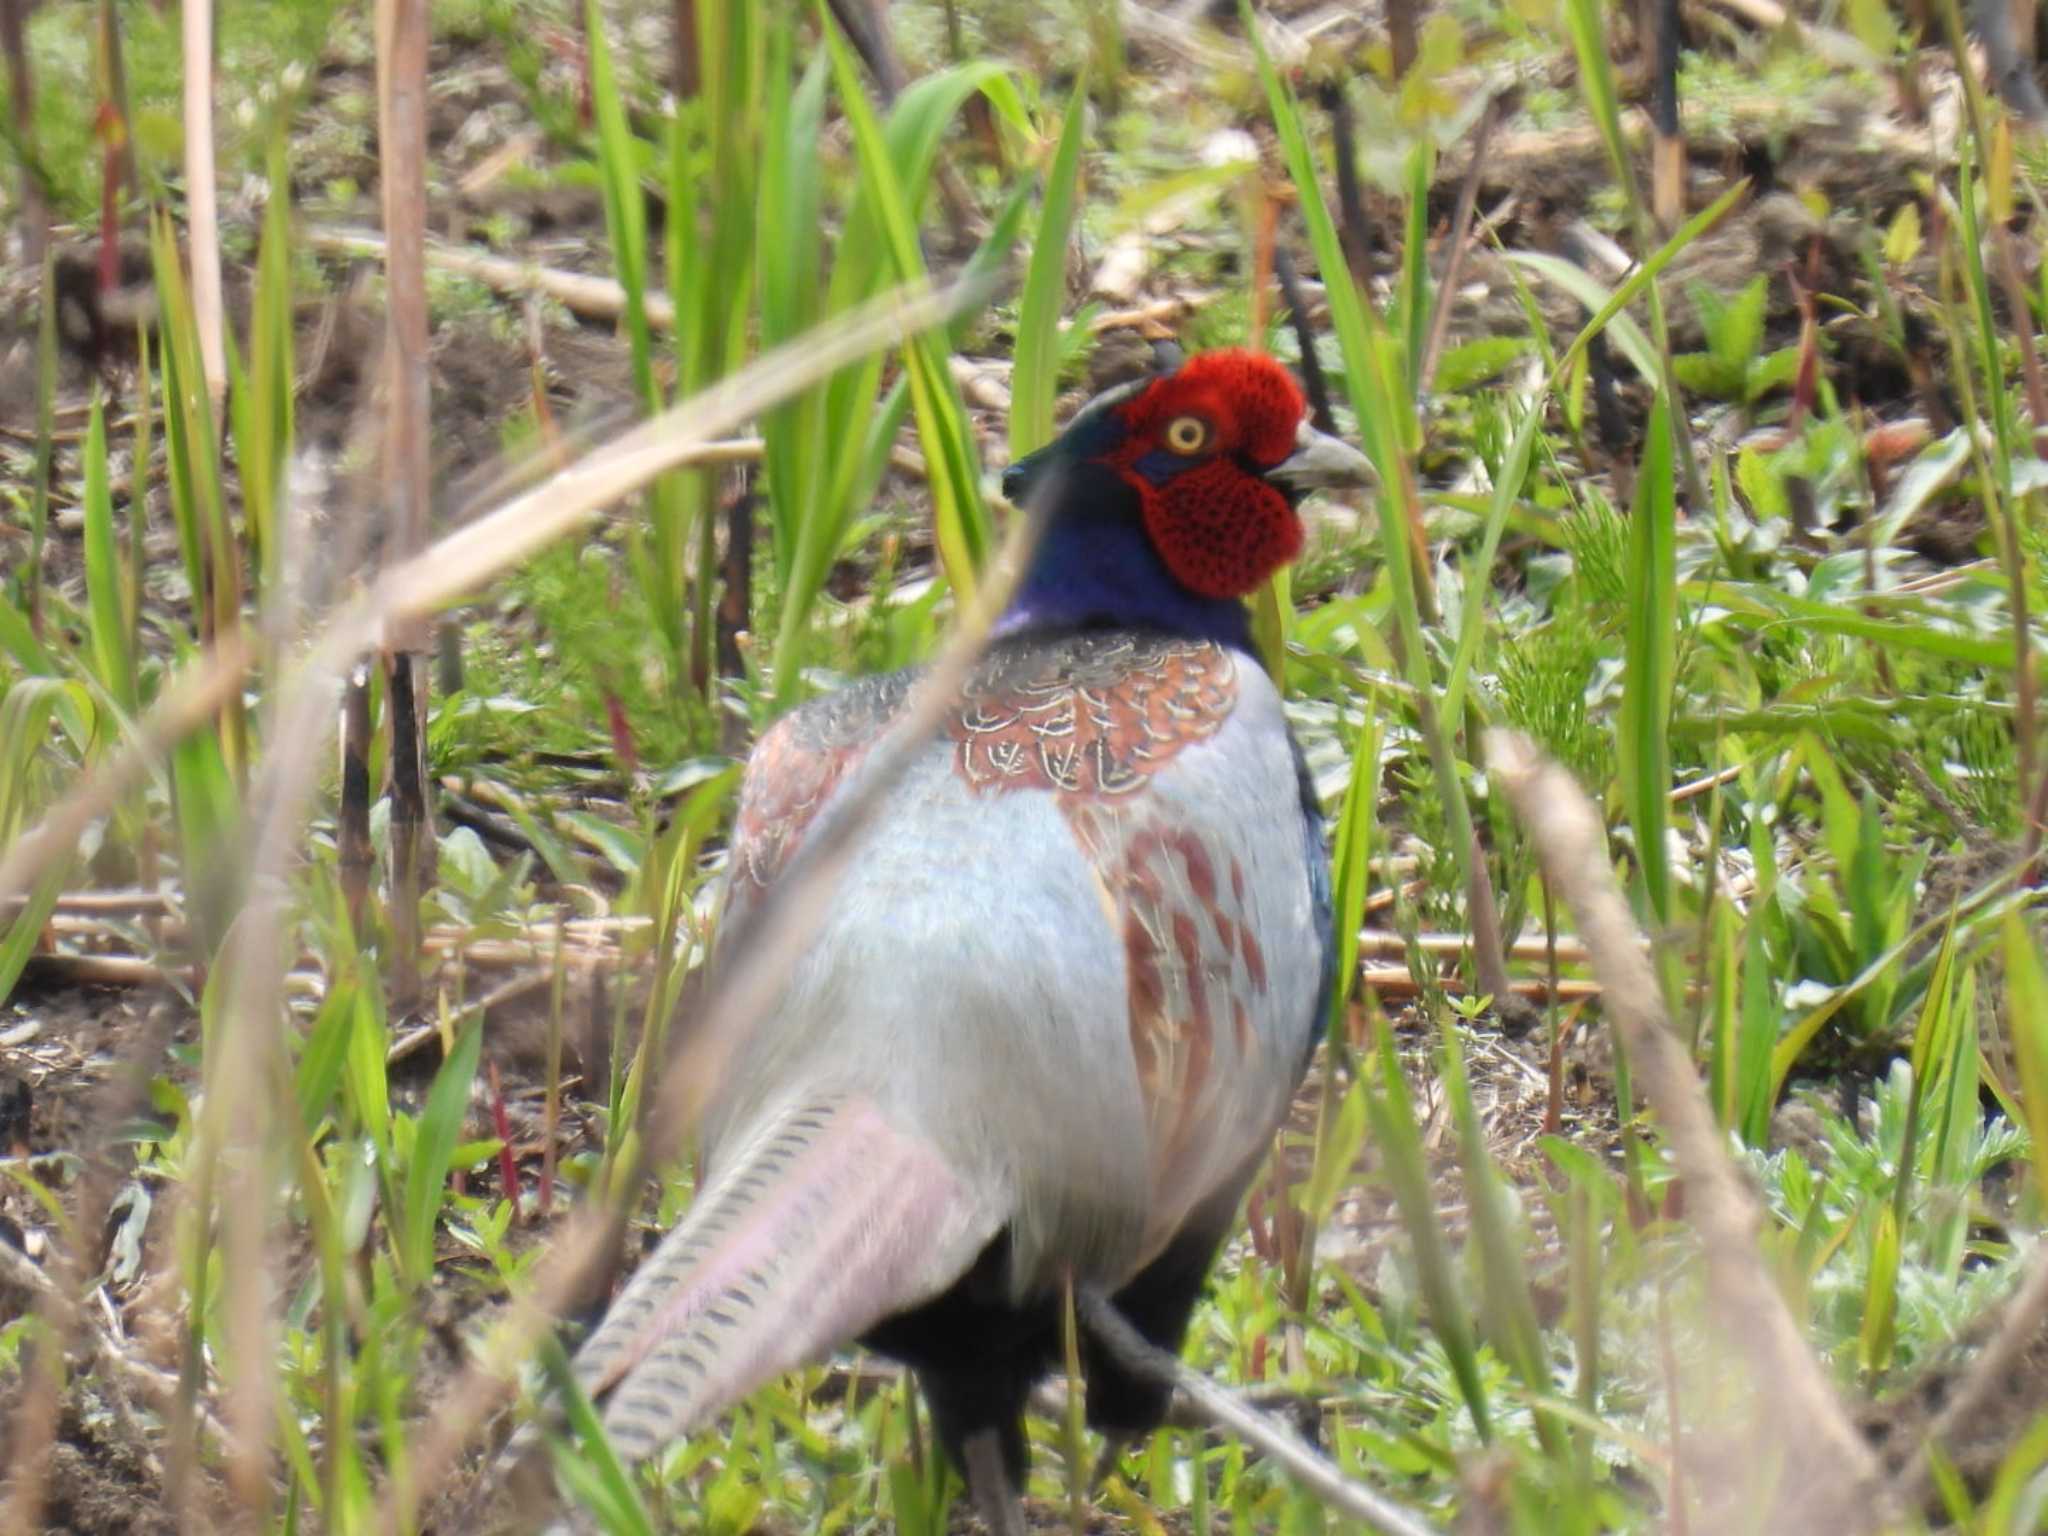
<point x="1840" y="1486"/>
<point x="202" y="221"/>
<point x="753" y="968"/>
<point x="603" y="298"/>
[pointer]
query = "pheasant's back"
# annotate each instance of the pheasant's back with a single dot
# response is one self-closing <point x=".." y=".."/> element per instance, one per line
<point x="1080" y="946"/>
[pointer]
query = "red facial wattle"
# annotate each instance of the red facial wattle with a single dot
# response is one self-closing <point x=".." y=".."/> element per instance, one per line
<point x="1218" y="524"/>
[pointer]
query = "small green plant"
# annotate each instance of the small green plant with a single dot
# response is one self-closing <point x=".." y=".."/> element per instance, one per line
<point x="1734" y="366"/>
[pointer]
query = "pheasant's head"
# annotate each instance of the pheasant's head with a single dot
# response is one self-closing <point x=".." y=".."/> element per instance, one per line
<point x="1166" y="500"/>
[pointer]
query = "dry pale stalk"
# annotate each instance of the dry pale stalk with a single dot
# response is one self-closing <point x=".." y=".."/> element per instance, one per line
<point x="203" y="216"/>
<point x="750" y="979"/>
<point x="402" y="169"/>
<point x="1840" y="1486"/>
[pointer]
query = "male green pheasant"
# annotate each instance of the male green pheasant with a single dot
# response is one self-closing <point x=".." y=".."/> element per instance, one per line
<point x="1065" y="989"/>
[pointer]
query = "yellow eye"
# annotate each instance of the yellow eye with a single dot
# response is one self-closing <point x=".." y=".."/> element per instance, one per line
<point x="1187" y="435"/>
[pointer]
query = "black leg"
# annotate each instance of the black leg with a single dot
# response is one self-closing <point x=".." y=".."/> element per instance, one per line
<point x="1158" y="1304"/>
<point x="978" y="1417"/>
<point x="996" y="1495"/>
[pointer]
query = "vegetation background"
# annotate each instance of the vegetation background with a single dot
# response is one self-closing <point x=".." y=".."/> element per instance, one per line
<point x="1697" y="350"/>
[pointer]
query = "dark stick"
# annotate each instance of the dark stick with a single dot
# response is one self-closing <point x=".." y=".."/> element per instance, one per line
<point x="1667" y="160"/>
<point x="1461" y="238"/>
<point x="735" y="609"/>
<point x="412" y="832"/>
<point x="736" y="578"/>
<point x="1608" y="416"/>
<point x="865" y="27"/>
<point x="688" y="72"/>
<point x="448" y="657"/>
<point x="1353" y="231"/>
<point x="353" y="855"/>
<point x="1403" y="35"/>
<point x="1312" y="381"/>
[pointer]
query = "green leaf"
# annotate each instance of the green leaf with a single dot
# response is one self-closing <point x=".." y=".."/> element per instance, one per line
<point x="19" y="940"/>
<point x="1465" y="367"/>
<point x="1871" y="22"/>
<point x="1880" y="1296"/>
<point x="367" y="1081"/>
<point x="208" y="807"/>
<point x="325" y="1053"/>
<point x="1902" y="238"/>
<point x="440" y="1129"/>
<point x="1606" y="312"/>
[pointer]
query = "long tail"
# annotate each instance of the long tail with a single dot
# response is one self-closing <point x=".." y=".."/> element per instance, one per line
<point x="825" y="1221"/>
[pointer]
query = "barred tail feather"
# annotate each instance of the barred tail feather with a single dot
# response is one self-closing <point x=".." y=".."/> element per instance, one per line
<point x="823" y="1223"/>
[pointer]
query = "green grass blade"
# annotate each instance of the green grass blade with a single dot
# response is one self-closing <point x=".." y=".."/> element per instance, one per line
<point x="1648" y="672"/>
<point x="2026" y="1017"/>
<point x="1415" y="297"/>
<point x="1932" y="1052"/>
<point x="1756" y="1079"/>
<point x="324" y="1054"/>
<point x="208" y="811"/>
<point x="22" y="935"/>
<point x="46" y="430"/>
<point x="593" y="1471"/>
<point x="105" y="584"/>
<point x="625" y="211"/>
<point x="959" y="520"/>
<point x="1510" y="1304"/>
<point x="365" y="1079"/>
<point x="792" y="295"/>
<point x="440" y="1129"/>
<point x="1350" y="879"/>
<point x="1392" y="1113"/>
<point x="30" y="713"/>
<point x="186" y="442"/>
<point x="1035" y="377"/>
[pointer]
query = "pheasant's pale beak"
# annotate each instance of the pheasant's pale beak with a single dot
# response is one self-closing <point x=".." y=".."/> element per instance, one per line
<point x="1321" y="462"/>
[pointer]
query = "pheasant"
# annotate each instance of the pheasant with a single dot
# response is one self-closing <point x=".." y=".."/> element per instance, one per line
<point x="1065" y="990"/>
